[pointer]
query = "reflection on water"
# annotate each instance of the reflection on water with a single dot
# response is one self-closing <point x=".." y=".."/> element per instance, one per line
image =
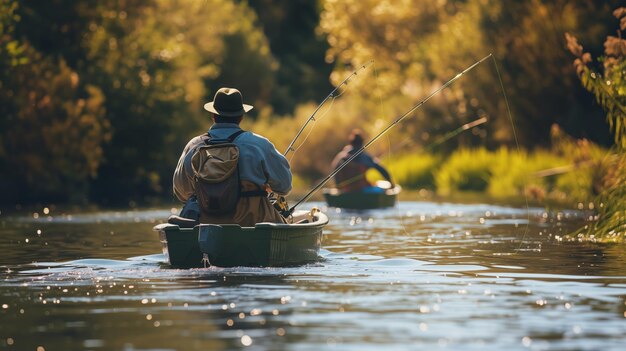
<point x="419" y="276"/>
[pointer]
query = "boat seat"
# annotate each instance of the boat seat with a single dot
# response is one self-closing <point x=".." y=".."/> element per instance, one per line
<point x="182" y="222"/>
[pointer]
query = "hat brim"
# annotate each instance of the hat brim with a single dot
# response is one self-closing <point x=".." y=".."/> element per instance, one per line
<point x="211" y="108"/>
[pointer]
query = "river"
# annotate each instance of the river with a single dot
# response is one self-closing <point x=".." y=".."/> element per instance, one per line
<point x="420" y="276"/>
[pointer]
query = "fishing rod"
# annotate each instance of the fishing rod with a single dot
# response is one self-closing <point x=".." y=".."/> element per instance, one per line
<point x="431" y="145"/>
<point x="440" y="140"/>
<point x="331" y="95"/>
<point x="393" y="124"/>
<point x="456" y="132"/>
<point x="279" y="202"/>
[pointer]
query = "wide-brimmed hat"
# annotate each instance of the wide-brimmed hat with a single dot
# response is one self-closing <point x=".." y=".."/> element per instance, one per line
<point x="228" y="103"/>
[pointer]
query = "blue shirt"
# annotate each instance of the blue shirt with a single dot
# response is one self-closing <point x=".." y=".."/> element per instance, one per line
<point x="259" y="161"/>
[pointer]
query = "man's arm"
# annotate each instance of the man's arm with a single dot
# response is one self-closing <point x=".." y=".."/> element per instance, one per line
<point x="277" y="170"/>
<point x="373" y="163"/>
<point x="183" y="184"/>
<point x="383" y="172"/>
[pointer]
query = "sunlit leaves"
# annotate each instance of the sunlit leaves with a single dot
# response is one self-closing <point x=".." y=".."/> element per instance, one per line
<point x="609" y="88"/>
<point x="134" y="78"/>
<point x="418" y="45"/>
<point x="56" y="130"/>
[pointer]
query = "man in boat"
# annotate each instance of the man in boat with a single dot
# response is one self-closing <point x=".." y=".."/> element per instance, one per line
<point x="352" y="177"/>
<point x="261" y="167"/>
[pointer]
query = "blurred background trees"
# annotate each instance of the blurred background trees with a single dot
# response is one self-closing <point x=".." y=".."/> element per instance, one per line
<point x="421" y="44"/>
<point x="53" y="125"/>
<point x="98" y="99"/>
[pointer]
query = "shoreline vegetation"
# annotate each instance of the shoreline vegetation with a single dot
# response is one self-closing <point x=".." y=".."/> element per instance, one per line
<point x="119" y="89"/>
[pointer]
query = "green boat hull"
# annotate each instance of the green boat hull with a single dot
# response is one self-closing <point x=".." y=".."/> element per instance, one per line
<point x="229" y="245"/>
<point x="361" y="200"/>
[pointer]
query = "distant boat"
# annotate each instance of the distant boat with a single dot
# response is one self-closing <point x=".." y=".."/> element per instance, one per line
<point x="363" y="200"/>
<point x="229" y="245"/>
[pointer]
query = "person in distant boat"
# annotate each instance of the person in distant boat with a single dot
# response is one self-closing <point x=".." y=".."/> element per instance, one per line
<point x="226" y="173"/>
<point x="352" y="176"/>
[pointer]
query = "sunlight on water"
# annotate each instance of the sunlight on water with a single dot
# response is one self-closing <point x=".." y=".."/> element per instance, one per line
<point x="418" y="276"/>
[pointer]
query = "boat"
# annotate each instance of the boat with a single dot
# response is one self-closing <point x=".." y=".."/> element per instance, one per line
<point x="359" y="200"/>
<point x="230" y="245"/>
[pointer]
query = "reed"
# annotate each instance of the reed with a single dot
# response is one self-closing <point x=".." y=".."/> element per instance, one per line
<point x="609" y="222"/>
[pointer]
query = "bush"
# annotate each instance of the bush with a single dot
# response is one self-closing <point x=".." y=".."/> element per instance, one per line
<point x="413" y="170"/>
<point x="505" y="173"/>
<point x="464" y="170"/>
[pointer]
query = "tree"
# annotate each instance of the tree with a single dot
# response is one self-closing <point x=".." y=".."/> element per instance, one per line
<point x="150" y="65"/>
<point x="291" y="30"/>
<point x="53" y="127"/>
<point x="157" y="65"/>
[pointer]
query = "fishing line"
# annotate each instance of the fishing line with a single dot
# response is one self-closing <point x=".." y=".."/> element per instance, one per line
<point x="508" y="109"/>
<point x="409" y="112"/>
<point x="332" y="101"/>
<point x="382" y="108"/>
<point x="330" y="96"/>
<point x="385" y="130"/>
<point x="389" y="148"/>
<point x="280" y="202"/>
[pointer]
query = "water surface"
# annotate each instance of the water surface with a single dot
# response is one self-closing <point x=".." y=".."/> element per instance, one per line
<point x="420" y="276"/>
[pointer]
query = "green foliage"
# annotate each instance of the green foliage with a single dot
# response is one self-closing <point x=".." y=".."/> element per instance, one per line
<point x="510" y="171"/>
<point x="123" y="84"/>
<point x="302" y="72"/>
<point x="419" y="45"/>
<point x="140" y="73"/>
<point x="505" y="173"/>
<point x="53" y="133"/>
<point x="609" y="90"/>
<point x="11" y="50"/>
<point x="151" y="65"/>
<point x="414" y="170"/>
<point x="609" y="224"/>
<point x="464" y="170"/>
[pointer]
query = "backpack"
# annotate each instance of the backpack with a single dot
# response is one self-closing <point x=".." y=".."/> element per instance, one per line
<point x="216" y="175"/>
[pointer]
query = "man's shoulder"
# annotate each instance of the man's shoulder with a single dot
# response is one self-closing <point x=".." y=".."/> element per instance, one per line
<point x="345" y="152"/>
<point x="257" y="139"/>
<point x="198" y="139"/>
<point x="195" y="141"/>
<point x="254" y="135"/>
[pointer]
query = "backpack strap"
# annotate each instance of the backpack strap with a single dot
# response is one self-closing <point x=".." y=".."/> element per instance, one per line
<point x="210" y="140"/>
<point x="234" y="136"/>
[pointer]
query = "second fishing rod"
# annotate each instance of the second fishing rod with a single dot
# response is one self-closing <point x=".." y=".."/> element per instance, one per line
<point x="375" y="138"/>
<point x="279" y="202"/>
<point x="332" y="95"/>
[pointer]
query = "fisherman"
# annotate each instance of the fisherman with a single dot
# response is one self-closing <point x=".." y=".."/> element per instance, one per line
<point x="352" y="177"/>
<point x="261" y="169"/>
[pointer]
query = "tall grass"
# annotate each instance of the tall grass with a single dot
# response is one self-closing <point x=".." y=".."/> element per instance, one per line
<point x="609" y="224"/>
<point x="516" y="173"/>
<point x="506" y="173"/>
<point x="503" y="173"/>
<point x="464" y="170"/>
<point x="414" y="170"/>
